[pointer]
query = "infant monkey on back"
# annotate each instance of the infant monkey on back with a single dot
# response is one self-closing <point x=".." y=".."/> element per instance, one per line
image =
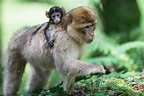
<point x="55" y="15"/>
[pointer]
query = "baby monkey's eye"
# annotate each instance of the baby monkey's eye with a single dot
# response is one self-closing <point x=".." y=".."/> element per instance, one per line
<point x="58" y="15"/>
<point x="53" y="16"/>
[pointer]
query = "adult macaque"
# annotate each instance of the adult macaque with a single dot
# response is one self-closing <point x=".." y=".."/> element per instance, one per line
<point x="70" y="40"/>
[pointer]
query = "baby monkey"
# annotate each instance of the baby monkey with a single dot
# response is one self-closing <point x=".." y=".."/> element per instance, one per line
<point x="55" y="15"/>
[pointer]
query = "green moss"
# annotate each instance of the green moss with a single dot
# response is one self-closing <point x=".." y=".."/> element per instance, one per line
<point x="120" y="86"/>
<point x="106" y="85"/>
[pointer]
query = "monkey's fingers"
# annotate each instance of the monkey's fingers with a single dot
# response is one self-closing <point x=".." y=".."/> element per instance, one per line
<point x="51" y="43"/>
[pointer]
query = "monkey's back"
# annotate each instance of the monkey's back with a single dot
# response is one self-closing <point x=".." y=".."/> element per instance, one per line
<point x="33" y="48"/>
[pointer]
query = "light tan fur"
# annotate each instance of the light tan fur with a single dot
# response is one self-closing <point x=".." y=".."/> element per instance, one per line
<point x="64" y="56"/>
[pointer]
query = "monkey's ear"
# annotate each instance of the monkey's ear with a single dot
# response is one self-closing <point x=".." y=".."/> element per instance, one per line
<point x="63" y="9"/>
<point x="47" y="14"/>
<point x="69" y="18"/>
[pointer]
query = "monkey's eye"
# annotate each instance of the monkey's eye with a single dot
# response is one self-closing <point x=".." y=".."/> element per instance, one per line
<point x="58" y="15"/>
<point x="53" y="16"/>
<point x="87" y="27"/>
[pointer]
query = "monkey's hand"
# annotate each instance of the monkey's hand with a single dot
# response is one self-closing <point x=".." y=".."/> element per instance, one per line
<point x="51" y="42"/>
<point x="98" y="70"/>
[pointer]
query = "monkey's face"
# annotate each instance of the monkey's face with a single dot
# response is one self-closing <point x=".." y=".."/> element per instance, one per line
<point x="56" y="17"/>
<point x="55" y="13"/>
<point x="83" y="24"/>
<point x="88" y="32"/>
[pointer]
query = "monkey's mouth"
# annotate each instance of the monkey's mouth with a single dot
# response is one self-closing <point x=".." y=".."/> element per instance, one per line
<point x="89" y="41"/>
<point x="57" y="21"/>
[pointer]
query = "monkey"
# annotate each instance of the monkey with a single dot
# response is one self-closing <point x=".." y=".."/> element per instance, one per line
<point x="64" y="57"/>
<point x="55" y="15"/>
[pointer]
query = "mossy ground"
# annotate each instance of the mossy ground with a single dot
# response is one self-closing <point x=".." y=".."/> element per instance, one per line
<point x="114" y="84"/>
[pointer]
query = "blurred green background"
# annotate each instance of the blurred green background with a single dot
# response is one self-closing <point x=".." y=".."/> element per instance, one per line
<point x="119" y="35"/>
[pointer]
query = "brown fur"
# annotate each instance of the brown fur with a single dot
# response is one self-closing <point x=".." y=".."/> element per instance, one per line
<point x="64" y="56"/>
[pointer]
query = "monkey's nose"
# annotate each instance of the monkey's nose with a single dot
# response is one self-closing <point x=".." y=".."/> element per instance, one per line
<point x="92" y="35"/>
<point x="56" y="21"/>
